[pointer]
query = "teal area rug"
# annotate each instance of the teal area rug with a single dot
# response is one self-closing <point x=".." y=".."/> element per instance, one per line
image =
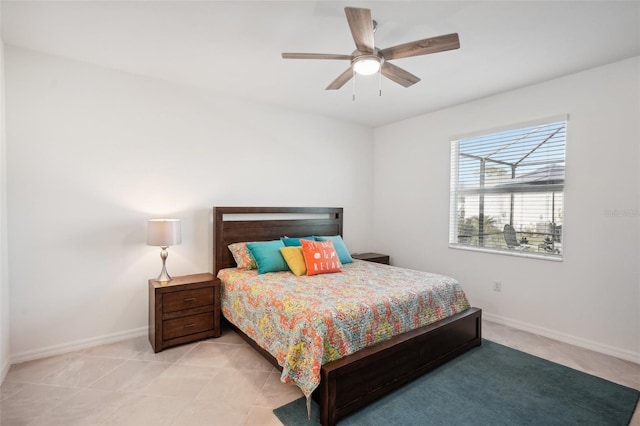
<point x="491" y="385"/>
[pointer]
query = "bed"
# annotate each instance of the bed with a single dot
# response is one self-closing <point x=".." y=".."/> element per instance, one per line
<point x="348" y="383"/>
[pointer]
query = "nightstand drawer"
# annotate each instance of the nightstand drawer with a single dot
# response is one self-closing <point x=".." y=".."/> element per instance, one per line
<point x="179" y="300"/>
<point x="187" y="325"/>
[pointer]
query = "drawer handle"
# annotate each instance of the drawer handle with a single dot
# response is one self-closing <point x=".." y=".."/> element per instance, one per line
<point x="189" y="299"/>
<point x="189" y="325"/>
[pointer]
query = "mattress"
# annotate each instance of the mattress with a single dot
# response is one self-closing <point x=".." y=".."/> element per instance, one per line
<point x="305" y="322"/>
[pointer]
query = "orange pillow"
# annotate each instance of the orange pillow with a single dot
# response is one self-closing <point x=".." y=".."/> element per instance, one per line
<point x="320" y="257"/>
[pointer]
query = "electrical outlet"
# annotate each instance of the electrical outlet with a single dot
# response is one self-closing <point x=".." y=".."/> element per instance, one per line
<point x="497" y="286"/>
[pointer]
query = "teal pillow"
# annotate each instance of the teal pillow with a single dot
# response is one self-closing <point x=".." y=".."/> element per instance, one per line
<point x="267" y="256"/>
<point x="340" y="246"/>
<point x="295" y="242"/>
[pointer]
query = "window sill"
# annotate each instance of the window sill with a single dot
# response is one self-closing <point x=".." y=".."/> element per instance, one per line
<point x="516" y="253"/>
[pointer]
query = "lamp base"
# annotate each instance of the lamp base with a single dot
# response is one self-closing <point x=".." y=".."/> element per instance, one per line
<point x="164" y="276"/>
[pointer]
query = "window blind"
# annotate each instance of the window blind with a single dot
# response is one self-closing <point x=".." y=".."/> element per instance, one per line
<point x="507" y="190"/>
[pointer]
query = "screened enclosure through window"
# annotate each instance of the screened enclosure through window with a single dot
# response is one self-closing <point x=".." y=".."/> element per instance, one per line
<point x="507" y="191"/>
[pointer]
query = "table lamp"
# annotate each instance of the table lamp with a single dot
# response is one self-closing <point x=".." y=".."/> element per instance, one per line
<point x="164" y="233"/>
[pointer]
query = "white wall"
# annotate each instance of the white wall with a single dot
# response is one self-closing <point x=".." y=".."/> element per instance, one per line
<point x="93" y="153"/>
<point x="592" y="298"/>
<point x="4" y="282"/>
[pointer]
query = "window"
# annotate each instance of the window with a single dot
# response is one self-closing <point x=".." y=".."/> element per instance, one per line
<point x="507" y="191"/>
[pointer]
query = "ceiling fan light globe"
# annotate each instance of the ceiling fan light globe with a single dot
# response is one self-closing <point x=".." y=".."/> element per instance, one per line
<point x="366" y="65"/>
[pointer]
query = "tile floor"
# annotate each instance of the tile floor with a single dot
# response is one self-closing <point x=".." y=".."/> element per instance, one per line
<point x="213" y="382"/>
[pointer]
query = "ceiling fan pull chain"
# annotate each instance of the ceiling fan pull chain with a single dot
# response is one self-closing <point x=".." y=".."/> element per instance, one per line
<point x="353" y="95"/>
<point x="379" y="81"/>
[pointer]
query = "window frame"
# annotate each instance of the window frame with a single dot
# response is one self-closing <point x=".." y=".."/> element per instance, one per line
<point x="454" y="192"/>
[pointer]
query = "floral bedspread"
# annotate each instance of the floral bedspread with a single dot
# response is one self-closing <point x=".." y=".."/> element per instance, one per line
<point x="307" y="321"/>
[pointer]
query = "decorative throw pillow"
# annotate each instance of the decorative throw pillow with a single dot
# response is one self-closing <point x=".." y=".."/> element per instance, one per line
<point x="295" y="259"/>
<point x="320" y="257"/>
<point x="242" y="256"/>
<point x="268" y="257"/>
<point x="340" y="246"/>
<point x="295" y="242"/>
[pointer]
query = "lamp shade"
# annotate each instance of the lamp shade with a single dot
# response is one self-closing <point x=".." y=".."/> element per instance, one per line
<point x="164" y="232"/>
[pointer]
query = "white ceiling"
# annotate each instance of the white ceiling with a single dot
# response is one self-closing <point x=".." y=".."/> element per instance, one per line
<point x="234" y="47"/>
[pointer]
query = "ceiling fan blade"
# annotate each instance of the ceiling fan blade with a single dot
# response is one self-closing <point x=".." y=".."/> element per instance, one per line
<point x="422" y="47"/>
<point x="361" y="26"/>
<point x="314" y="56"/>
<point x="397" y="74"/>
<point x="341" y="80"/>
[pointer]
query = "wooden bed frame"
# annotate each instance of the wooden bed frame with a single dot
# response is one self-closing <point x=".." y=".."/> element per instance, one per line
<point x="351" y="382"/>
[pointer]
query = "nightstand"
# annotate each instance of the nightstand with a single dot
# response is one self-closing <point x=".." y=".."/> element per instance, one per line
<point x="183" y="310"/>
<point x="372" y="257"/>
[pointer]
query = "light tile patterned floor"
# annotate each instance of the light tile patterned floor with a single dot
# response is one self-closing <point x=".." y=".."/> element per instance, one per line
<point x="214" y="382"/>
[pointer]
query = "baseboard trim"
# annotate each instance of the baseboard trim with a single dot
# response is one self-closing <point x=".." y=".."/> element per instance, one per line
<point x="77" y="345"/>
<point x="565" y="338"/>
<point x="143" y="331"/>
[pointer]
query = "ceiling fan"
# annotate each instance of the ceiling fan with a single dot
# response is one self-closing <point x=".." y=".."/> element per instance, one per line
<point x="368" y="59"/>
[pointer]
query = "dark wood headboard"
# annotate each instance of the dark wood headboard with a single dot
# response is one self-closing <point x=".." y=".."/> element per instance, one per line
<point x="268" y="223"/>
